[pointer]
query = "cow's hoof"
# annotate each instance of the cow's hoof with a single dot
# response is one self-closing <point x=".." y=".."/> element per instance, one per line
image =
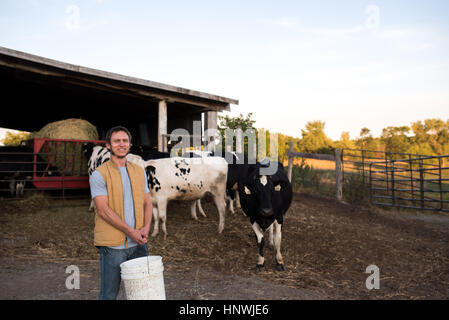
<point x="280" y="267"/>
<point x="260" y="267"/>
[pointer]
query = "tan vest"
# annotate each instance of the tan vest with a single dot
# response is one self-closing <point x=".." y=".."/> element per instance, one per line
<point x="104" y="233"/>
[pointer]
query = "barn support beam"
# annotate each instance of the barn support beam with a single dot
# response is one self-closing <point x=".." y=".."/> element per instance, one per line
<point x="162" y="126"/>
<point x="210" y="130"/>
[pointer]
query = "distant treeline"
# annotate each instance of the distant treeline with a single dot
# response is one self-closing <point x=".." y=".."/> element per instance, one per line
<point x="428" y="137"/>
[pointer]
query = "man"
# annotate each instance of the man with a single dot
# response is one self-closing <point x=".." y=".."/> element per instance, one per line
<point x="123" y="211"/>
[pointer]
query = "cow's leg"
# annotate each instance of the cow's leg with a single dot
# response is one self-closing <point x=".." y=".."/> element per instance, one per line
<point x="221" y="206"/>
<point x="260" y="243"/>
<point x="270" y="231"/>
<point x="237" y="199"/>
<point x="193" y="210"/>
<point x="231" y="204"/>
<point x="12" y="186"/>
<point x="20" y="186"/>
<point x="200" y="208"/>
<point x="155" y="220"/>
<point x="162" y="211"/>
<point x="277" y="243"/>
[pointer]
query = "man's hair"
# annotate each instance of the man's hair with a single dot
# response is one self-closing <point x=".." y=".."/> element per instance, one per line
<point x="117" y="129"/>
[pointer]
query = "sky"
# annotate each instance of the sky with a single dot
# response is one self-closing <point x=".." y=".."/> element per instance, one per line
<point x="349" y="63"/>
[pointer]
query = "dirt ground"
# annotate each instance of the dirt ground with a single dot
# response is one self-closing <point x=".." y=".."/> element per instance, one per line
<point x="326" y="246"/>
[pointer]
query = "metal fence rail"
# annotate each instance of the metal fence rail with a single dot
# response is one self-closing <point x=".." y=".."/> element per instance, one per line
<point x="418" y="183"/>
<point x="56" y="168"/>
<point x="357" y="161"/>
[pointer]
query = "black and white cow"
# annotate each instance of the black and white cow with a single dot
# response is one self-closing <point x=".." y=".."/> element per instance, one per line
<point x="180" y="178"/>
<point x="197" y="154"/>
<point x="265" y="199"/>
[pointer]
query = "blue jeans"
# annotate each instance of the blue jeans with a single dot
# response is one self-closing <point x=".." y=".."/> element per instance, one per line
<point x="110" y="260"/>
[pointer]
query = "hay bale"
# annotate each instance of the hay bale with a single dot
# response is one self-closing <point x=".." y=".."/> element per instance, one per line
<point x="75" y="129"/>
<point x="78" y="129"/>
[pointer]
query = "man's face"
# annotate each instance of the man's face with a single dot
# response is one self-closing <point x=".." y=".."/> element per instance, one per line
<point x="120" y="144"/>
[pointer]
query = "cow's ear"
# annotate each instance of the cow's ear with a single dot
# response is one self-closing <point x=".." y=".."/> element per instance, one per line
<point x="247" y="191"/>
<point x="277" y="187"/>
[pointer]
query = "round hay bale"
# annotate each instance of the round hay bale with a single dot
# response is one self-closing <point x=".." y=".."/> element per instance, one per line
<point x="78" y="129"/>
<point x="74" y="129"/>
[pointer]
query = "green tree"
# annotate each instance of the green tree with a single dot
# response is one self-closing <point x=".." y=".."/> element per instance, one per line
<point x="284" y="146"/>
<point x="396" y="139"/>
<point x="236" y="122"/>
<point x="241" y="121"/>
<point x="14" y="139"/>
<point x="367" y="141"/>
<point x="431" y="137"/>
<point x="421" y="149"/>
<point x="345" y="141"/>
<point x="314" y="139"/>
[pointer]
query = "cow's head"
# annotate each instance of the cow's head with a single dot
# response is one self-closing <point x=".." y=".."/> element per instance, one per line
<point x="263" y="190"/>
<point x="88" y="148"/>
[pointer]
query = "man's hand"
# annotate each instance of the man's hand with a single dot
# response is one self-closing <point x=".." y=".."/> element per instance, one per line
<point x="145" y="231"/>
<point x="138" y="236"/>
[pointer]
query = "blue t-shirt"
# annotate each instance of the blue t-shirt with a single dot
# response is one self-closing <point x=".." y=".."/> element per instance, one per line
<point x="98" y="188"/>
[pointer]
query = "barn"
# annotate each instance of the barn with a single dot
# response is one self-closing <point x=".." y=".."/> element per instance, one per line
<point x="41" y="90"/>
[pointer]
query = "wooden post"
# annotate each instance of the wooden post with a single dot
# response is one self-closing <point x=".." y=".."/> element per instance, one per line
<point x="162" y="126"/>
<point x="211" y="125"/>
<point x="290" y="162"/>
<point x="338" y="175"/>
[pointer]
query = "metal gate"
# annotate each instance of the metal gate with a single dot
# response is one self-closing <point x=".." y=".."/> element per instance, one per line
<point x="419" y="183"/>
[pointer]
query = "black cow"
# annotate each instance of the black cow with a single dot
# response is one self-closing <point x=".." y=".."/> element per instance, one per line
<point x="265" y="199"/>
<point x="237" y="170"/>
<point x="148" y="153"/>
<point x="238" y="166"/>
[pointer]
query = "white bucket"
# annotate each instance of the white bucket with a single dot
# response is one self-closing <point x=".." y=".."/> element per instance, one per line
<point x="143" y="278"/>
